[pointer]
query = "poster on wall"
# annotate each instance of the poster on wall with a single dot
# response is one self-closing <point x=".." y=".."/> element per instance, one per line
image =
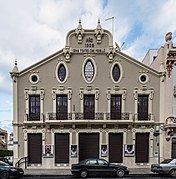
<point x="73" y="151"/>
<point x="129" y="150"/>
<point x="104" y="150"/>
<point x="48" y="150"/>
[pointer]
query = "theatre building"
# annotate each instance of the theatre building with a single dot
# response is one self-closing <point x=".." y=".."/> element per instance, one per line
<point x="87" y="100"/>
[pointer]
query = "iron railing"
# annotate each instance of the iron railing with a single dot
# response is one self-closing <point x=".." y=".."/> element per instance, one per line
<point x="23" y="160"/>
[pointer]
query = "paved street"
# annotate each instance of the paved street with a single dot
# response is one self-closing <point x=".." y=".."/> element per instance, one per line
<point x="71" y="177"/>
<point x="66" y="174"/>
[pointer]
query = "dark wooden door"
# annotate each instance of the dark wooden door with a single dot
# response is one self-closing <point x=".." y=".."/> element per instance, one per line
<point x="88" y="146"/>
<point x="62" y="148"/>
<point x="116" y="147"/>
<point x="142" y="148"/>
<point x="35" y="148"/>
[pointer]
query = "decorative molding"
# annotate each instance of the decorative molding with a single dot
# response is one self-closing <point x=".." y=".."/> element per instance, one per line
<point x="79" y="32"/>
<point x="110" y="53"/>
<point x="171" y="59"/>
<point x="99" y="32"/>
<point x="67" y="53"/>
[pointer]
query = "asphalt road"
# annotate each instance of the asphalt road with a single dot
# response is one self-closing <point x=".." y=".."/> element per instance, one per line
<point x="72" y="177"/>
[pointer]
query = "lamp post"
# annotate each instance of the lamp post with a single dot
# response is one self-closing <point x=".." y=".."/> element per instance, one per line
<point x="157" y="134"/>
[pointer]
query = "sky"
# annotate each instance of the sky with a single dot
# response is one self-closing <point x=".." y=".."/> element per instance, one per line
<point x="34" y="29"/>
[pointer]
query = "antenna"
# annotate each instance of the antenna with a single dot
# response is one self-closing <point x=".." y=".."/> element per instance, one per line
<point x="122" y="45"/>
<point x="111" y="18"/>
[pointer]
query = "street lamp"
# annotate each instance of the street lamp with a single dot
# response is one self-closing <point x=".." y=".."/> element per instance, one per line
<point x="157" y="134"/>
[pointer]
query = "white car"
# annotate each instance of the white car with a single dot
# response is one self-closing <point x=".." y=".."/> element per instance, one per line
<point x="167" y="167"/>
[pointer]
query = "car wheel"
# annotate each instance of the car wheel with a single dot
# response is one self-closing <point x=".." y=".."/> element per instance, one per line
<point x="4" y="175"/>
<point x="83" y="173"/>
<point x="172" y="173"/>
<point x="120" y="173"/>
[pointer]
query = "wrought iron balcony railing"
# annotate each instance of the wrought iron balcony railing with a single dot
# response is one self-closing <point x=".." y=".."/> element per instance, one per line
<point x="34" y="117"/>
<point x="82" y="116"/>
<point x="145" y="117"/>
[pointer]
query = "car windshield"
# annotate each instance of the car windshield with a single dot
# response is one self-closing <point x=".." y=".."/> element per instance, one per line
<point x="3" y="164"/>
<point x="166" y="161"/>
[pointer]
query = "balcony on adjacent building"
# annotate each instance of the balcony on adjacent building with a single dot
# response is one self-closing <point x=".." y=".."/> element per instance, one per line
<point x="170" y="122"/>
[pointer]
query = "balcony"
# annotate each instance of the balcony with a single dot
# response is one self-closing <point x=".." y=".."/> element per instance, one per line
<point x="79" y="118"/>
<point x="170" y="122"/>
<point x="34" y="119"/>
<point x="144" y="119"/>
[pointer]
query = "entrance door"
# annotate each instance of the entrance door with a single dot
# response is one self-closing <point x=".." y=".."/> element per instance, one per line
<point x="88" y="146"/>
<point x="62" y="148"/>
<point x="115" y="147"/>
<point x="142" y="148"/>
<point x="35" y="148"/>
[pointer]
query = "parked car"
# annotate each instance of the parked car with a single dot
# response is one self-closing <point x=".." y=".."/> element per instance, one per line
<point x="98" y="167"/>
<point x="7" y="171"/>
<point x="6" y="161"/>
<point x="167" y="167"/>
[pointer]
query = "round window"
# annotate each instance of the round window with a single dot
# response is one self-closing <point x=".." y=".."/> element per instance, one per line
<point x="34" y="78"/>
<point x="89" y="70"/>
<point x="116" y="72"/>
<point x="61" y="72"/>
<point x="143" y="78"/>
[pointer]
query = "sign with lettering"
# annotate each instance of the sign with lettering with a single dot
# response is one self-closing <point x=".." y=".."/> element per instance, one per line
<point x="89" y="50"/>
<point x="89" y="47"/>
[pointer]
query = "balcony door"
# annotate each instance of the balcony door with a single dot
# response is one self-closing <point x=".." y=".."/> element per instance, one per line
<point x="61" y="107"/>
<point x="116" y="106"/>
<point x="89" y="106"/>
<point x="143" y="107"/>
<point x="34" y="107"/>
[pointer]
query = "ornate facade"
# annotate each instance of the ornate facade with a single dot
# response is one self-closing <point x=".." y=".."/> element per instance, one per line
<point x="87" y="100"/>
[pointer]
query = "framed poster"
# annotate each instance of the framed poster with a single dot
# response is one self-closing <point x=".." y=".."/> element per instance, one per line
<point x="104" y="150"/>
<point x="129" y="150"/>
<point x="74" y="151"/>
<point x="48" y="150"/>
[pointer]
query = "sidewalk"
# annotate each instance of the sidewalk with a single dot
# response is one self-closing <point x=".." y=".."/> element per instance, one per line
<point x="58" y="172"/>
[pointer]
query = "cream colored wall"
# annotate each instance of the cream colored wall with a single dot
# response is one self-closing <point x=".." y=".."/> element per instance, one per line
<point x="47" y="70"/>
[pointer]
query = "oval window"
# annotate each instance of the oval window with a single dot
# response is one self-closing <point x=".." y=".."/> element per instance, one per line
<point x="89" y="71"/>
<point x="61" y="72"/>
<point x="116" y="72"/>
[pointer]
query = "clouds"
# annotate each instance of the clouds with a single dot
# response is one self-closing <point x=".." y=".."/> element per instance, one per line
<point x="32" y="30"/>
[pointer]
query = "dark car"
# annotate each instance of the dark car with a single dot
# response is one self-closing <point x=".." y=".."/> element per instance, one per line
<point x="6" y="161"/>
<point x="98" y="167"/>
<point x="7" y="171"/>
<point x="166" y="167"/>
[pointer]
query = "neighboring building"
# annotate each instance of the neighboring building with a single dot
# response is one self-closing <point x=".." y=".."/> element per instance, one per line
<point x="87" y="100"/>
<point x="3" y="139"/>
<point x="10" y="141"/>
<point x="164" y="61"/>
